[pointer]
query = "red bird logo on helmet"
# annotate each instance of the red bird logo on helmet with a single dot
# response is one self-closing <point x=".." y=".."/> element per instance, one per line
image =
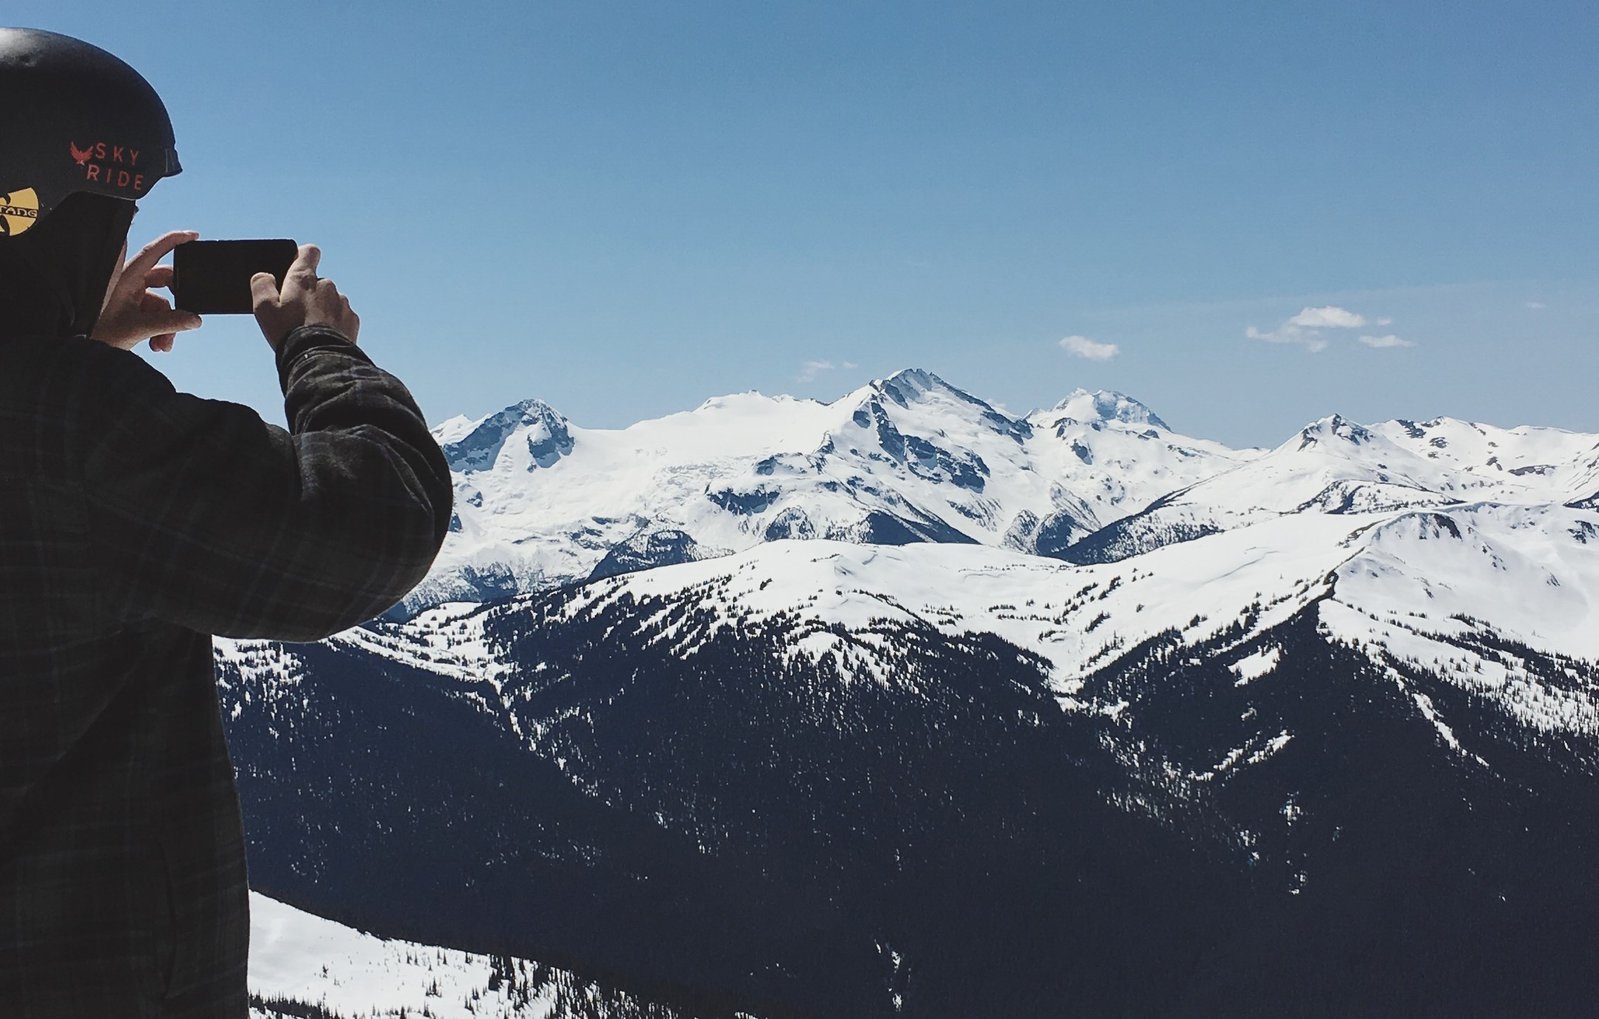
<point x="80" y="156"/>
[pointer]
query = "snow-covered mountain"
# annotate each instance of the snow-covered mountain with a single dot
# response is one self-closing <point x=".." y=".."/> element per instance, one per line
<point x="910" y="458"/>
<point x="902" y="706"/>
<point x="1492" y="608"/>
<point x="542" y="502"/>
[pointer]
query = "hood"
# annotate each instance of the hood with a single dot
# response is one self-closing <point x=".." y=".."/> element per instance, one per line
<point x="53" y="278"/>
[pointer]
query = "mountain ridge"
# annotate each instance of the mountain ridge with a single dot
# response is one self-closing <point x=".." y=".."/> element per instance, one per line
<point x="911" y="458"/>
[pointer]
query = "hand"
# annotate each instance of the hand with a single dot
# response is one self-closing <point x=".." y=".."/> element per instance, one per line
<point x="303" y="301"/>
<point x="133" y="312"/>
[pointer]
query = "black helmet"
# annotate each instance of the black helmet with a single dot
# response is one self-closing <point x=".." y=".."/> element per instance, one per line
<point x="77" y="119"/>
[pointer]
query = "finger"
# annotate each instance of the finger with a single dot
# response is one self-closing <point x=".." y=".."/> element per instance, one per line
<point x="263" y="290"/>
<point x="162" y="343"/>
<point x="302" y="274"/>
<point x="177" y="321"/>
<point x="159" y="278"/>
<point x="156" y="313"/>
<point x="155" y="251"/>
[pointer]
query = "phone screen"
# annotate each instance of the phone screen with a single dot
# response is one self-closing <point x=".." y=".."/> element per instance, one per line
<point x="213" y="277"/>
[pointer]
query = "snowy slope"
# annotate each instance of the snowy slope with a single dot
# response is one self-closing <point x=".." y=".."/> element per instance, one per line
<point x="298" y="959"/>
<point x="1422" y="585"/>
<point x="1337" y="466"/>
<point x="302" y="957"/>
<point x="1449" y="591"/>
<point x="1522" y="464"/>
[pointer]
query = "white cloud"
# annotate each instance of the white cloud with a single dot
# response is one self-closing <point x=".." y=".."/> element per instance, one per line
<point x="1305" y="329"/>
<point x="1082" y="346"/>
<point x="1386" y="342"/>
<point x="850" y="364"/>
<point x="1536" y="306"/>
<point x="1329" y="317"/>
<point x="810" y="369"/>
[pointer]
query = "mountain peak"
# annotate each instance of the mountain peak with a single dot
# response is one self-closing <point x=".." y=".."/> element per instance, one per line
<point x="1334" y="426"/>
<point x="911" y="386"/>
<point x="548" y="436"/>
<point x="1106" y="405"/>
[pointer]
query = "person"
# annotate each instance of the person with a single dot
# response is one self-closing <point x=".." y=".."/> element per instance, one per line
<point x="135" y="523"/>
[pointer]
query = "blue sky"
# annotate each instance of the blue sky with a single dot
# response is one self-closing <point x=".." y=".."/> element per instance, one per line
<point x="626" y="208"/>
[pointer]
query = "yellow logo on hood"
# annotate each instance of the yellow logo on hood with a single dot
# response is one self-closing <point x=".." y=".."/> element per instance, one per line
<point x="18" y="211"/>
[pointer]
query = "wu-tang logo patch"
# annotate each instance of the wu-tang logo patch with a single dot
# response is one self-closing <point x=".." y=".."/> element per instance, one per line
<point x="18" y="211"/>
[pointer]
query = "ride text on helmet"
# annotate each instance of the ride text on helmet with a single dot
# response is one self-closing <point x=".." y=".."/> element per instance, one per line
<point x="111" y="165"/>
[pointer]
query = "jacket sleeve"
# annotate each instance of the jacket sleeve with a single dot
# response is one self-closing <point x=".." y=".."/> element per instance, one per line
<point x="204" y="515"/>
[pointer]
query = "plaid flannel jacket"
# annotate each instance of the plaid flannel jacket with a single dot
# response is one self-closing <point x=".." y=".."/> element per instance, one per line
<point x="136" y="521"/>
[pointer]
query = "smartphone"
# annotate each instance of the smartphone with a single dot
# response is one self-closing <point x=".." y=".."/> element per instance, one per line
<point x="213" y="277"/>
